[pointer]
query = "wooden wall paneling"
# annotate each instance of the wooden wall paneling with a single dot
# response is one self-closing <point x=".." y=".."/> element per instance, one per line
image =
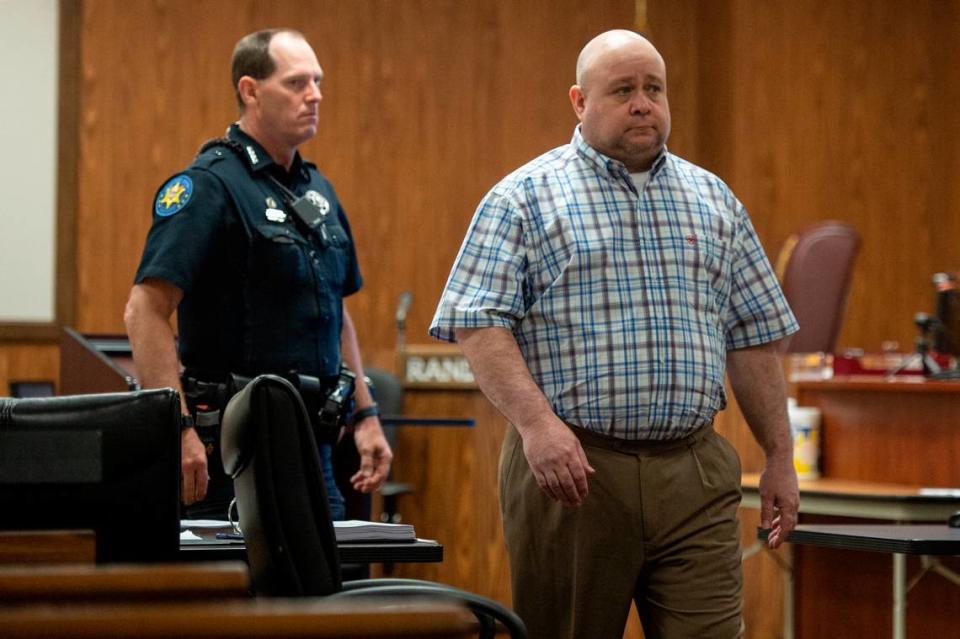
<point x="481" y="89"/>
<point x="140" y="123"/>
<point x="944" y="163"/>
<point x="835" y="107"/>
<point x="28" y="362"/>
<point x="426" y="104"/>
<point x="674" y="29"/>
<point x="68" y="160"/>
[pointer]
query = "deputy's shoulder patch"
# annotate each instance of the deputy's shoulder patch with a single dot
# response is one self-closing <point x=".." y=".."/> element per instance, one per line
<point x="174" y="195"/>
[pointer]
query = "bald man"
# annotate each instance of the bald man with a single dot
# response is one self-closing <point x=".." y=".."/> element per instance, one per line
<point x="601" y="293"/>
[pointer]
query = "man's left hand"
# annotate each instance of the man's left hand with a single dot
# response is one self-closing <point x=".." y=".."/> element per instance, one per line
<point x="375" y="455"/>
<point x="778" y="493"/>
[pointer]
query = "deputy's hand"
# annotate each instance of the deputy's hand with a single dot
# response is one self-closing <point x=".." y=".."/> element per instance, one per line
<point x="557" y="460"/>
<point x="375" y="455"/>
<point x="193" y="467"/>
<point x="778" y="494"/>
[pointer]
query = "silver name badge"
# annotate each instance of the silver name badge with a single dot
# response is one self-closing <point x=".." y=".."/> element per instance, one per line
<point x="318" y="201"/>
<point x="276" y="215"/>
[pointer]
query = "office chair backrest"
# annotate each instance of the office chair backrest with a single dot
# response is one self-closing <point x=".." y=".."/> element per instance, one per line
<point x="270" y="452"/>
<point x="815" y="268"/>
<point x="107" y="462"/>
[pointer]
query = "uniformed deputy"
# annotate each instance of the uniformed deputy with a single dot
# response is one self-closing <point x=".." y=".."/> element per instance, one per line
<point x="252" y="248"/>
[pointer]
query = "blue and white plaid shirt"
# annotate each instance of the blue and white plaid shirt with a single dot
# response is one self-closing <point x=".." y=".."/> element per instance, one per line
<point x="623" y="303"/>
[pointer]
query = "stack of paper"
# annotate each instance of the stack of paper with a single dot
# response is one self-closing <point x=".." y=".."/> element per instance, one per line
<point x="357" y="530"/>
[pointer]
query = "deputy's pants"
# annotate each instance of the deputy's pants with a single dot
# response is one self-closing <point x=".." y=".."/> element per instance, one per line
<point x="659" y="527"/>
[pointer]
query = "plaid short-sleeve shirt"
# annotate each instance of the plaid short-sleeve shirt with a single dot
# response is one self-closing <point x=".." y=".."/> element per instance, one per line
<point x="623" y="303"/>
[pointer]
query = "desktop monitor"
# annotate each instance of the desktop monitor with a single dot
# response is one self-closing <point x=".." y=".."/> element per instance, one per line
<point x="106" y="462"/>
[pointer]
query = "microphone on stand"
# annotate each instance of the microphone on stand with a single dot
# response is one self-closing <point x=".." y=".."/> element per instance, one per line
<point x="403" y="307"/>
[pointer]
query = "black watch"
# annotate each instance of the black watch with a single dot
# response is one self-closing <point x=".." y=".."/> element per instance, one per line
<point x="186" y="421"/>
<point x="361" y="414"/>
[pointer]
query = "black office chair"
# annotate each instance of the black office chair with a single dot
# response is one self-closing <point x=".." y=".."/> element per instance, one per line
<point x="269" y="450"/>
<point x="109" y="462"/>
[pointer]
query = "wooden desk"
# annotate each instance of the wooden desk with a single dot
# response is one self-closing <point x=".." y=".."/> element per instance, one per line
<point x="124" y="582"/>
<point x="903" y="432"/>
<point x="247" y="619"/>
<point x="47" y="547"/>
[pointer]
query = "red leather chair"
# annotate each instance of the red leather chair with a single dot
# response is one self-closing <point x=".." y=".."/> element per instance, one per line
<point x="815" y="267"/>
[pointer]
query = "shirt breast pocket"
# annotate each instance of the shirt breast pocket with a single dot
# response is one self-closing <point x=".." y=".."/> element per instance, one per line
<point x="333" y="235"/>
<point x="707" y="268"/>
<point x="691" y="270"/>
<point x="277" y="259"/>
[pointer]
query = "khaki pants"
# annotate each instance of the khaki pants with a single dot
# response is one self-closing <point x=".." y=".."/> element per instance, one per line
<point x="659" y="527"/>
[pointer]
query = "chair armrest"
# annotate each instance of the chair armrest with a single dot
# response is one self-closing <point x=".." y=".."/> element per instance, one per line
<point x="484" y="608"/>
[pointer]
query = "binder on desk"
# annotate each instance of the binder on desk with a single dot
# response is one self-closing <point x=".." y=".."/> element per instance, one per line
<point x="355" y="530"/>
<point x="349" y="531"/>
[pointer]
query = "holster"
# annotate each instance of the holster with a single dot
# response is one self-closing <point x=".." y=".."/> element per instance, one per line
<point x="327" y="405"/>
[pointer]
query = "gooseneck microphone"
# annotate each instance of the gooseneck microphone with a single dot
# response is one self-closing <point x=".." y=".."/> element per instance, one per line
<point x="403" y="307"/>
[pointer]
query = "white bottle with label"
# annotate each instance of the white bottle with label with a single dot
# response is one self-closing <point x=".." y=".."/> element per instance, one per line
<point x="805" y="426"/>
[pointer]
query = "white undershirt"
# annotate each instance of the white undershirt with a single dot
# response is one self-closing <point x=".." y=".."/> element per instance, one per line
<point x="640" y="180"/>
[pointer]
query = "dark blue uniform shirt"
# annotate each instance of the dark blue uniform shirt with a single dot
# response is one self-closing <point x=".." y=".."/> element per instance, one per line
<point x="261" y="292"/>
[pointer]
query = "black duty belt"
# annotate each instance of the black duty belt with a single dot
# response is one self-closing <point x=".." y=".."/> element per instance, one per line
<point x="206" y="399"/>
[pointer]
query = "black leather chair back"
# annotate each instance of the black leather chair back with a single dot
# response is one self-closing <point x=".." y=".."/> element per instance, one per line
<point x="109" y="462"/>
<point x="269" y="450"/>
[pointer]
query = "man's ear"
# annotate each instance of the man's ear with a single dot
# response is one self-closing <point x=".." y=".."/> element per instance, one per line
<point x="247" y="88"/>
<point x="577" y="100"/>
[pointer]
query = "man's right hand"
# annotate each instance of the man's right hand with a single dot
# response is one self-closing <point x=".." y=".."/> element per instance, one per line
<point x="553" y="452"/>
<point x="558" y="461"/>
<point x="193" y="467"/>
